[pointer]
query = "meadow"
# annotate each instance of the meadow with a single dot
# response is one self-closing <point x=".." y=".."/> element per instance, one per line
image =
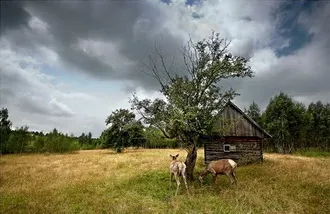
<point x="138" y="181"/>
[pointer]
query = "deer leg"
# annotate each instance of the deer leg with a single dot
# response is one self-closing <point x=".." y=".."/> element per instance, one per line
<point x="234" y="177"/>
<point x="229" y="175"/>
<point x="177" y="184"/>
<point x="185" y="182"/>
<point x="214" y="177"/>
<point x="171" y="178"/>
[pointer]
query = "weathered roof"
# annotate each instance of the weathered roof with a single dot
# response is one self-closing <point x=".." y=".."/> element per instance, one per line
<point x="249" y="119"/>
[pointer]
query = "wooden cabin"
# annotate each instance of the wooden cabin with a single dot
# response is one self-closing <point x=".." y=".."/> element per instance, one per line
<point x="238" y="137"/>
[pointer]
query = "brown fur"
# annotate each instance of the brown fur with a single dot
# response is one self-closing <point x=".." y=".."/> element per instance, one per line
<point x="178" y="169"/>
<point x="220" y="167"/>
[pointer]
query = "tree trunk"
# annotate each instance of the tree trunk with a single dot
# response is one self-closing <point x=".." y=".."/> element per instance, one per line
<point x="191" y="161"/>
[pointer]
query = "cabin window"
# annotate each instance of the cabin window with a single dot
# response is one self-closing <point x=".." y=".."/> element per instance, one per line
<point x="226" y="148"/>
<point x="229" y="148"/>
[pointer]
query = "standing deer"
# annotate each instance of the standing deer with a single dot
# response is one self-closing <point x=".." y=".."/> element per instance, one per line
<point x="178" y="169"/>
<point x="220" y="167"/>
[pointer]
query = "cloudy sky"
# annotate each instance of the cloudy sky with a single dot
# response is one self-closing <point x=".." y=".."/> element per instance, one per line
<point x="70" y="64"/>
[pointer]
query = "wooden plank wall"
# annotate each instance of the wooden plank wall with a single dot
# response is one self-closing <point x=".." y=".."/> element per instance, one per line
<point x="233" y="123"/>
<point x="246" y="152"/>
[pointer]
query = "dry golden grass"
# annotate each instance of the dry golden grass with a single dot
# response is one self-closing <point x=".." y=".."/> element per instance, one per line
<point x="137" y="181"/>
<point x="44" y="172"/>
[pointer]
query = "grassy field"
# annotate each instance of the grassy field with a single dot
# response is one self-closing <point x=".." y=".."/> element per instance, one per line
<point x="137" y="181"/>
<point x="312" y="153"/>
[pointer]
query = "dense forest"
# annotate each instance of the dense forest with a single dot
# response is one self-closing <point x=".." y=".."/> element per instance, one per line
<point x="292" y="125"/>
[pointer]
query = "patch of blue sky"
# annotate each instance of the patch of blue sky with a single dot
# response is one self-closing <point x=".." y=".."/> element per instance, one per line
<point x="290" y="29"/>
<point x="187" y="2"/>
<point x="166" y="1"/>
<point x="192" y="2"/>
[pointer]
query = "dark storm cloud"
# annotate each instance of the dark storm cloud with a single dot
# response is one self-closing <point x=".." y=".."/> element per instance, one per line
<point x="13" y="16"/>
<point x="134" y="26"/>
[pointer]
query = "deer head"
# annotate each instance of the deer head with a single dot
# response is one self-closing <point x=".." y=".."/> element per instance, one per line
<point x="174" y="157"/>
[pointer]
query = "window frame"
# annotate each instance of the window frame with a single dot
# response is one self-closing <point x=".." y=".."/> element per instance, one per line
<point x="230" y="148"/>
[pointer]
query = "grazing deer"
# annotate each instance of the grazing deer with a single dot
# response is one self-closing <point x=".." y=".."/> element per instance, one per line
<point x="178" y="169"/>
<point x="223" y="167"/>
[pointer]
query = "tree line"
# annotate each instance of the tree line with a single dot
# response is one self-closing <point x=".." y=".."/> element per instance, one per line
<point x="21" y="140"/>
<point x="293" y="125"/>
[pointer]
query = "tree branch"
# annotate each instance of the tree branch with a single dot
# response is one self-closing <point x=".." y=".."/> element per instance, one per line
<point x="163" y="64"/>
<point x="153" y="68"/>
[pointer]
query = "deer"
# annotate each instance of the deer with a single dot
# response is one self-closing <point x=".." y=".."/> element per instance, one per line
<point x="178" y="169"/>
<point x="220" y="167"/>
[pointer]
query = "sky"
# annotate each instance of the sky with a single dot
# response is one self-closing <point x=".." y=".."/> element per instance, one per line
<point x="69" y="64"/>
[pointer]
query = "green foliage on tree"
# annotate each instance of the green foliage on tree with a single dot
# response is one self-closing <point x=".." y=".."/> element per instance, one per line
<point x="18" y="140"/>
<point x="192" y="100"/>
<point x="293" y="125"/>
<point x="124" y="131"/>
<point x="86" y="141"/>
<point x="254" y="112"/>
<point x="120" y="118"/>
<point x="5" y="128"/>
<point x="39" y="144"/>
<point x="156" y="139"/>
<point x="135" y="133"/>
<point x="319" y="125"/>
<point x="56" y="142"/>
<point x="285" y="120"/>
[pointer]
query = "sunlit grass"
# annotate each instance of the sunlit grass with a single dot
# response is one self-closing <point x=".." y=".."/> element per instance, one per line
<point x="138" y="181"/>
